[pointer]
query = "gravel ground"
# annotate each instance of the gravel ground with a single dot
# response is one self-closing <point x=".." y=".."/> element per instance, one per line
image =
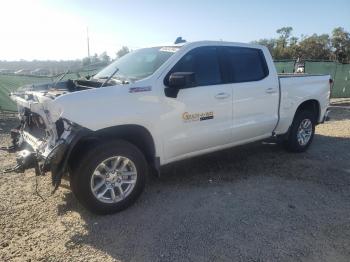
<point x="251" y="203"/>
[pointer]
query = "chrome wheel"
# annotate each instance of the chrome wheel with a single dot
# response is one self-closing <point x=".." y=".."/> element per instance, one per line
<point x="304" y="132"/>
<point x="113" y="179"/>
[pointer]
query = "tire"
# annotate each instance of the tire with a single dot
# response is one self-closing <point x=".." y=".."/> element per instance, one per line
<point x="295" y="144"/>
<point x="95" y="171"/>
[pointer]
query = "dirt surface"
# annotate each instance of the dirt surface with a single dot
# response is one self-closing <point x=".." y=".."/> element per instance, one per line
<point x="251" y="203"/>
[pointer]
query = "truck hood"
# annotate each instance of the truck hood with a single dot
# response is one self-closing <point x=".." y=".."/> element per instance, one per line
<point x="53" y="90"/>
<point x="72" y="100"/>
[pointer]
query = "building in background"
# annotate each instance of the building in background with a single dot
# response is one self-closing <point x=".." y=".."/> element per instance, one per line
<point x="23" y="72"/>
<point x="40" y="72"/>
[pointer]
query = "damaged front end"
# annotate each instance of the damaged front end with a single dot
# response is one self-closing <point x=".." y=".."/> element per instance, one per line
<point x="40" y="153"/>
<point x="43" y="140"/>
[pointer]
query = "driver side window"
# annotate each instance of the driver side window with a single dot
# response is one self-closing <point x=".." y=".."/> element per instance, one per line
<point x="204" y="63"/>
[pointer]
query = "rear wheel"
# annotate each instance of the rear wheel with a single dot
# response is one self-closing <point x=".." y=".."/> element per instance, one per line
<point x="110" y="177"/>
<point x="301" y="133"/>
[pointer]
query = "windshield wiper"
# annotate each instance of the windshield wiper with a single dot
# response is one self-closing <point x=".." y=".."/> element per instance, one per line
<point x="122" y="77"/>
<point x="60" y="78"/>
<point x="110" y="77"/>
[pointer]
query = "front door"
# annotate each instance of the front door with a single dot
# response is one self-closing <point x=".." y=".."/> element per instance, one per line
<point x="200" y="117"/>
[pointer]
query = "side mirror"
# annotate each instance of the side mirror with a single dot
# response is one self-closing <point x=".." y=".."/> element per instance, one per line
<point x="181" y="80"/>
<point x="177" y="81"/>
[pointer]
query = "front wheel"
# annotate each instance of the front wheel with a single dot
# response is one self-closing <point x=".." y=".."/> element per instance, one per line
<point x="110" y="177"/>
<point x="301" y="132"/>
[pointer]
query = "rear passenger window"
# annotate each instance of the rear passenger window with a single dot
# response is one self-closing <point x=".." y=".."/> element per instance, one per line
<point x="204" y="62"/>
<point x="240" y="64"/>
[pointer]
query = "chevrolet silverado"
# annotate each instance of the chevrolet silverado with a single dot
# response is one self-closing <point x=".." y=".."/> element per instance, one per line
<point x="159" y="105"/>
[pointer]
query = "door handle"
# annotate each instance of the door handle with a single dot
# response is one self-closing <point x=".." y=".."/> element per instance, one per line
<point x="270" y="90"/>
<point x="222" y="95"/>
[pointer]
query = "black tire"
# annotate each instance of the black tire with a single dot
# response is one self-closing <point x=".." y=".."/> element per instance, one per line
<point x="291" y="143"/>
<point x="81" y="176"/>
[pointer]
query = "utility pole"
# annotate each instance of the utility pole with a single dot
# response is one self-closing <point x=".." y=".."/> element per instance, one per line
<point x="88" y="42"/>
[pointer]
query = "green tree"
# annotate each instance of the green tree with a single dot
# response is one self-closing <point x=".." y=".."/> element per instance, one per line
<point x="293" y="41"/>
<point x="95" y="59"/>
<point x="315" y="47"/>
<point x="323" y="47"/>
<point x="282" y="50"/>
<point x="104" y="58"/>
<point x="86" y="61"/>
<point x="284" y="35"/>
<point x="341" y="44"/>
<point x="269" y="43"/>
<point x="123" y="51"/>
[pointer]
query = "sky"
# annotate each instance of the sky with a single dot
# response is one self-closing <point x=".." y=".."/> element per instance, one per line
<point x="57" y="30"/>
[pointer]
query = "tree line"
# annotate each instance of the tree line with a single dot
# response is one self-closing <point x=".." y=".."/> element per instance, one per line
<point x="104" y="58"/>
<point x="335" y="47"/>
<point x="56" y="67"/>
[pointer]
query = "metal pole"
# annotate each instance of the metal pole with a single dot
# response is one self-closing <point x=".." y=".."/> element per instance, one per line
<point x="88" y="42"/>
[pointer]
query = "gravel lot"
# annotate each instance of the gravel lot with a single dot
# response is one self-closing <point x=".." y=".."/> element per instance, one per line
<point x="251" y="203"/>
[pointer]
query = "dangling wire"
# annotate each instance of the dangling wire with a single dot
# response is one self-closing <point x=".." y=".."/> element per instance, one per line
<point x="37" y="173"/>
<point x="36" y="188"/>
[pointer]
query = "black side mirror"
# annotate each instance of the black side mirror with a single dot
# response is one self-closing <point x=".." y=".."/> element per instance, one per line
<point x="177" y="81"/>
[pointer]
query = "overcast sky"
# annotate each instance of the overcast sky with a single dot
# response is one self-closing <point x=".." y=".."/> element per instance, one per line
<point x="39" y="29"/>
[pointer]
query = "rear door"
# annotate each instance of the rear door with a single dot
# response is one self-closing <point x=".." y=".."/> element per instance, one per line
<point x="255" y="92"/>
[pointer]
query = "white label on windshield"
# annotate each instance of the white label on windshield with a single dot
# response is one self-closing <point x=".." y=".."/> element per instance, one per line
<point x="169" y="49"/>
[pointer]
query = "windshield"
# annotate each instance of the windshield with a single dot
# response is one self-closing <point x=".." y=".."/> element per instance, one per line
<point x="138" y="64"/>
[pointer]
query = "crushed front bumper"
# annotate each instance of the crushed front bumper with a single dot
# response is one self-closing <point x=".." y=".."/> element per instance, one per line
<point x="38" y="153"/>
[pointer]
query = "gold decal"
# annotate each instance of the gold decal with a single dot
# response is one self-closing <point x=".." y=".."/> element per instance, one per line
<point x="190" y="117"/>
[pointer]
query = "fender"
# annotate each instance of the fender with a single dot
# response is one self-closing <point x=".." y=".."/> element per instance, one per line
<point x="135" y="134"/>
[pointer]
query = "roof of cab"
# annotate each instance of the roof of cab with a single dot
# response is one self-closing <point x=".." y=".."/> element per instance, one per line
<point x="210" y="42"/>
<point x="221" y="43"/>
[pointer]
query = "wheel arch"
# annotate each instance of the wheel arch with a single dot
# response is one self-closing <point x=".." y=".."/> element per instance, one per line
<point x="134" y="134"/>
<point x="312" y="105"/>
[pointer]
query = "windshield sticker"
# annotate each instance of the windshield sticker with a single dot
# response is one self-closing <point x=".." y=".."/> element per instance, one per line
<point x="192" y="117"/>
<point x="140" y="89"/>
<point x="169" y="49"/>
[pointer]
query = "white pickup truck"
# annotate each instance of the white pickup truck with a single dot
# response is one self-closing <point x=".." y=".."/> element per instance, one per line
<point x="158" y="105"/>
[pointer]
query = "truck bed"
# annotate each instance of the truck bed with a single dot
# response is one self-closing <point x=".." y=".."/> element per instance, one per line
<point x="296" y="88"/>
